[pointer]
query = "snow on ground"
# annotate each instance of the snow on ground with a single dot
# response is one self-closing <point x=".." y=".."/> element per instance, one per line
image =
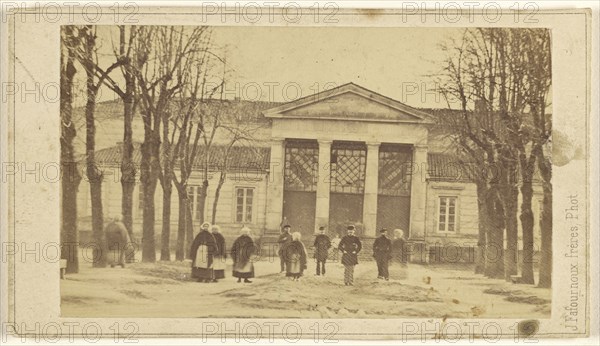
<point x="163" y="289"/>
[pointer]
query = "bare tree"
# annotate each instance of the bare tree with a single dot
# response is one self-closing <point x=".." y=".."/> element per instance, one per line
<point x="123" y="55"/>
<point x="191" y="128"/>
<point x="128" y="168"/>
<point x="95" y="77"/>
<point x="70" y="177"/>
<point x="241" y="133"/>
<point x="469" y="78"/>
<point x="491" y="73"/>
<point x="159" y="53"/>
<point x="540" y="67"/>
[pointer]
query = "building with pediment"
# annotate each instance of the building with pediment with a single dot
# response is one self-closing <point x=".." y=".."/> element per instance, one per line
<point x="347" y="155"/>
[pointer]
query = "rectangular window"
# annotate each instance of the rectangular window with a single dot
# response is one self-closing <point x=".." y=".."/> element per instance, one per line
<point x="447" y="214"/>
<point x="348" y="167"/>
<point x="193" y="192"/>
<point x="244" y="199"/>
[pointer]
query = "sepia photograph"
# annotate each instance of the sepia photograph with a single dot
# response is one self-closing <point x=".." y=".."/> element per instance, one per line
<point x="244" y="172"/>
<point x="285" y="172"/>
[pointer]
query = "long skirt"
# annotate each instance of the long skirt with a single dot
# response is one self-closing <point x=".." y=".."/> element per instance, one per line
<point x="219" y="267"/>
<point x="398" y="270"/>
<point x="294" y="269"/>
<point x="202" y="267"/>
<point x="243" y="270"/>
<point x="203" y="273"/>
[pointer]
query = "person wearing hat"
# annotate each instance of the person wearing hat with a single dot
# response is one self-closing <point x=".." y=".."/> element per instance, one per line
<point x="322" y="245"/>
<point x="241" y="252"/>
<point x="285" y="238"/>
<point x="382" y="252"/>
<point x="204" y="248"/>
<point x="350" y="246"/>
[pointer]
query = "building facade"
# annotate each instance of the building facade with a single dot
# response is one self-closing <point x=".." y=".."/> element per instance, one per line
<point x="343" y="156"/>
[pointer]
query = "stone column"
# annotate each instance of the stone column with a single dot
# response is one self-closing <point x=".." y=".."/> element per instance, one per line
<point x="322" y="204"/>
<point x="371" y="190"/>
<point x="418" y="193"/>
<point x="275" y="185"/>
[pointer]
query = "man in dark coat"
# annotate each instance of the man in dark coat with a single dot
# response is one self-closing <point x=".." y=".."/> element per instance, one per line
<point x="242" y="250"/>
<point x="322" y="245"/>
<point x="284" y="239"/>
<point x="382" y="251"/>
<point x="295" y="254"/>
<point x="204" y="248"/>
<point x="221" y="255"/>
<point x="350" y="246"/>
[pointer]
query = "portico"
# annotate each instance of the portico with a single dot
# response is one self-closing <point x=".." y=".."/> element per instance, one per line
<point x="347" y="155"/>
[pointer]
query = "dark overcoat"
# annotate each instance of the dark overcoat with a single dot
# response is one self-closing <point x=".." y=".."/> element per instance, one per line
<point x="284" y="239"/>
<point x="350" y="246"/>
<point x="204" y="245"/>
<point x="322" y="245"/>
<point x="242" y="250"/>
<point x="382" y="248"/>
<point x="295" y="255"/>
<point x="220" y="256"/>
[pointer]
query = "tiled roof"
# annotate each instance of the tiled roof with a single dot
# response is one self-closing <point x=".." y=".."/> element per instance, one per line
<point x="441" y="166"/>
<point x="446" y="167"/>
<point x="241" y="158"/>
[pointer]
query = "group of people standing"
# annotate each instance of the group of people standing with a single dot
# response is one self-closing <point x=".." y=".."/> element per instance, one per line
<point x="292" y="252"/>
<point x="209" y="255"/>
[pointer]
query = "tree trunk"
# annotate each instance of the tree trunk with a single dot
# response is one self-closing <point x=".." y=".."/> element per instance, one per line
<point x="95" y="177"/>
<point x="494" y="254"/>
<point x="165" y="252"/>
<point x="545" y="280"/>
<point x="527" y="225"/>
<point x="189" y="230"/>
<point x="70" y="174"/>
<point x="128" y="169"/>
<point x="202" y="201"/>
<point x="94" y="174"/>
<point x="509" y="194"/>
<point x="217" y="195"/>
<point x="481" y="241"/>
<point x="149" y="179"/>
<point x="182" y="223"/>
<point x="511" y="254"/>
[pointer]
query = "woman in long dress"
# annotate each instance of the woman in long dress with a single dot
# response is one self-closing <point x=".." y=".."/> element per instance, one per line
<point x="399" y="256"/>
<point x="295" y="255"/>
<point x="241" y="252"/>
<point x="204" y="248"/>
<point x="221" y="255"/>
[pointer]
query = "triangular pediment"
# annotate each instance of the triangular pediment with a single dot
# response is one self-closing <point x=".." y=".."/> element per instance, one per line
<point x="348" y="102"/>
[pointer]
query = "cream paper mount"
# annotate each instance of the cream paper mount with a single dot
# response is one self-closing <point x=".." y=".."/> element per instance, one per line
<point x="341" y="117"/>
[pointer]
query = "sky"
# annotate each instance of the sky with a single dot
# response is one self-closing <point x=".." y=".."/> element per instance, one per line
<point x="285" y="63"/>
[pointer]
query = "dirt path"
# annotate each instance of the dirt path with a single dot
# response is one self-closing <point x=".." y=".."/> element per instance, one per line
<point x="164" y="290"/>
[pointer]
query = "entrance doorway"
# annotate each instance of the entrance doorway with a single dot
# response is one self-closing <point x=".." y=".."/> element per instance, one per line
<point x="347" y="185"/>
<point x="393" y="200"/>
<point x="300" y="185"/>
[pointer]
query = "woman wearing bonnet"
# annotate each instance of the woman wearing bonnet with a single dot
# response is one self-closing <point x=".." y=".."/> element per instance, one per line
<point x="241" y="252"/>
